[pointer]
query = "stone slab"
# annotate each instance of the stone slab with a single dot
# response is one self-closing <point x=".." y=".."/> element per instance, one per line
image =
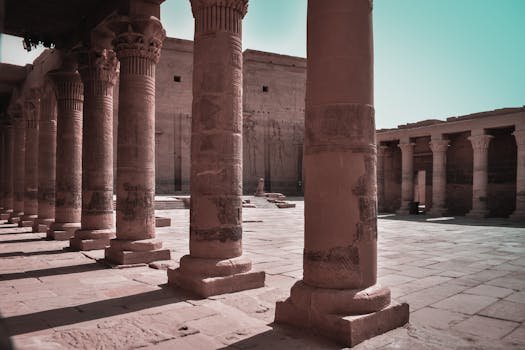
<point x="161" y="221"/>
<point x="127" y="257"/>
<point x="57" y="235"/>
<point x="349" y="330"/>
<point x="4" y="216"/>
<point x="209" y="286"/>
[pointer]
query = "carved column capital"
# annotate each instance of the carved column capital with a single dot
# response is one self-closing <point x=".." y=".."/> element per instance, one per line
<point x="406" y="147"/>
<point x="519" y="135"/>
<point x="98" y="70"/>
<point x="138" y="37"/>
<point x="218" y="15"/>
<point x="68" y="87"/>
<point x="480" y="142"/>
<point x="439" y="146"/>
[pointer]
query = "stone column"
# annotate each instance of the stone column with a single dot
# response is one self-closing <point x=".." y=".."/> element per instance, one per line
<point x="215" y="264"/>
<point x="69" y="96"/>
<point x="18" y="169"/>
<point x="439" y="175"/>
<point x="519" y="212"/>
<point x="98" y="72"/>
<point x="407" y="175"/>
<point x="480" y="144"/>
<point x="47" y="144"/>
<point x="138" y="44"/>
<point x="8" y="171"/>
<point x="381" y="152"/>
<point x="339" y="296"/>
<point x="31" y="160"/>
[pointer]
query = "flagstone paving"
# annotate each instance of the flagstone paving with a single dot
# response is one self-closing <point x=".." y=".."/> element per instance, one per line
<point x="464" y="281"/>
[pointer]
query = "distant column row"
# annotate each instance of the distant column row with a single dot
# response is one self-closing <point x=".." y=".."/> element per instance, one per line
<point x="480" y="142"/>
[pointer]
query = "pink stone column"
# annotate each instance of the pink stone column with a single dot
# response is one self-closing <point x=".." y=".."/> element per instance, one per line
<point x="519" y="212"/>
<point x="216" y="264"/>
<point x="18" y="169"/>
<point x="480" y="144"/>
<point x="339" y="296"/>
<point x="47" y="144"/>
<point x="138" y="45"/>
<point x="407" y="176"/>
<point x="381" y="153"/>
<point x="8" y="171"/>
<point x="31" y="160"/>
<point x="98" y="70"/>
<point x="439" y="175"/>
<point x="69" y="96"/>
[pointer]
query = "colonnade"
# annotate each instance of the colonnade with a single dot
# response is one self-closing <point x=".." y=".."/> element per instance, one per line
<point x="340" y="255"/>
<point x="480" y="142"/>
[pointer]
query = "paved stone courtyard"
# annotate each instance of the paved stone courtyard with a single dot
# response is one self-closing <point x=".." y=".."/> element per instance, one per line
<point x="464" y="281"/>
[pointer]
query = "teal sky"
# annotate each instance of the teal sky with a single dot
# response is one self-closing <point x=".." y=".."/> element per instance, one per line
<point x="433" y="58"/>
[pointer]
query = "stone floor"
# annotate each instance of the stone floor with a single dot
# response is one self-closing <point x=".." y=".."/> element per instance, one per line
<point x="464" y="281"/>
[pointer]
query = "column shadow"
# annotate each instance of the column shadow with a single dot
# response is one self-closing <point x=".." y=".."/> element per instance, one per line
<point x="26" y="254"/>
<point x="91" y="311"/>
<point x="453" y="220"/>
<point x="63" y="270"/>
<point x="24" y="240"/>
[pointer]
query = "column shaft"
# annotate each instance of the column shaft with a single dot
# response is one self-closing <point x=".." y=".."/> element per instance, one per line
<point x="47" y="148"/>
<point x="340" y="253"/>
<point x="98" y="72"/>
<point x="18" y="169"/>
<point x="69" y="96"/>
<point x="407" y="176"/>
<point x="216" y="155"/>
<point x="381" y="152"/>
<point x="31" y="160"/>
<point x="138" y="48"/>
<point x="8" y="171"/>
<point x="439" y="176"/>
<point x="480" y="145"/>
<point x="519" y="212"/>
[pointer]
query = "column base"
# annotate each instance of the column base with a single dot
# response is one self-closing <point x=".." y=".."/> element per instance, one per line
<point x="161" y="221"/>
<point x="27" y="220"/>
<point x="477" y="214"/>
<point x="14" y="218"/>
<point x="208" y="277"/>
<point x="402" y="212"/>
<point x="347" y="316"/>
<point x="127" y="252"/>
<point x="91" y="239"/>
<point x="6" y="214"/>
<point x="62" y="231"/>
<point x="42" y="225"/>
<point x="517" y="216"/>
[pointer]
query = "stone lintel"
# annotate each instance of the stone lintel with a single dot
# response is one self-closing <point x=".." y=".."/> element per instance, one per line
<point x="209" y="286"/>
<point x="347" y="330"/>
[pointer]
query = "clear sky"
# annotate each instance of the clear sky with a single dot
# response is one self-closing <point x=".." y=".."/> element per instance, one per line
<point x="433" y="58"/>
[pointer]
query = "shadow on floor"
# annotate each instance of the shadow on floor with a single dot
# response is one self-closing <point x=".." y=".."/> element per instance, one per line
<point x="63" y="270"/>
<point x="283" y="337"/>
<point x="91" y="311"/>
<point x="453" y="220"/>
<point x="22" y="254"/>
<point x="24" y="240"/>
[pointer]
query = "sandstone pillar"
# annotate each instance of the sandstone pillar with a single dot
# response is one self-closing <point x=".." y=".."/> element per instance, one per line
<point x="2" y="166"/>
<point x="98" y="72"/>
<point x="69" y="96"/>
<point x="216" y="264"/>
<point x="8" y="171"/>
<point x="407" y="176"/>
<point x="31" y="160"/>
<point x="480" y="144"/>
<point x="381" y="152"/>
<point x="339" y="296"/>
<point x="18" y="169"/>
<point x="519" y="212"/>
<point x="47" y="144"/>
<point x="138" y="44"/>
<point x="439" y="175"/>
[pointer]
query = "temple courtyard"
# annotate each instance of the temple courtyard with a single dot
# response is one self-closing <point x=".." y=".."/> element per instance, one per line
<point x="464" y="280"/>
